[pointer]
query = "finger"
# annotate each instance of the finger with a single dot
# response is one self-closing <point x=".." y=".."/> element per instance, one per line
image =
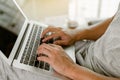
<point x="43" y="58"/>
<point x="54" y="45"/>
<point x="47" y="47"/>
<point x="49" y="29"/>
<point x="44" y="32"/>
<point x="44" y="52"/>
<point x="50" y="37"/>
<point x="60" y="42"/>
<point x="43" y="49"/>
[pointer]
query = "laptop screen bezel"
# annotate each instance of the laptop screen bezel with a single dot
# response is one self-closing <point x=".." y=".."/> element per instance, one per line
<point x="19" y="38"/>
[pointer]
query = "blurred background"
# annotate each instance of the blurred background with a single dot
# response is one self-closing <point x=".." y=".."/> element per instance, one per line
<point x="58" y="12"/>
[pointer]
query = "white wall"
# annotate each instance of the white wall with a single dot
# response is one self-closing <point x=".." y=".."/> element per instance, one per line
<point x="87" y="8"/>
<point x="40" y="9"/>
<point x="109" y="8"/>
<point x="93" y="8"/>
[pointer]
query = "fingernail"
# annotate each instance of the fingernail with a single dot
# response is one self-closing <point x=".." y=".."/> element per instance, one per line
<point x="37" y="58"/>
<point x="43" y="40"/>
<point x="37" y="51"/>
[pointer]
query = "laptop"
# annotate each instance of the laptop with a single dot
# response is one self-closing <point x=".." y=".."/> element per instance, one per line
<point x="20" y="39"/>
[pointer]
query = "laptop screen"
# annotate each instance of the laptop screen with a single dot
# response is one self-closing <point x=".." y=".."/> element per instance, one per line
<point x="11" y="21"/>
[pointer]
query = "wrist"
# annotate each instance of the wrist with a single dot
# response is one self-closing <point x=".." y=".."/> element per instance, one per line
<point x="74" y="73"/>
<point x="80" y="35"/>
<point x="70" y="72"/>
<point x="81" y="73"/>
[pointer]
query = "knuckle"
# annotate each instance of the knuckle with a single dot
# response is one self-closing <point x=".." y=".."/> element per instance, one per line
<point x="59" y="46"/>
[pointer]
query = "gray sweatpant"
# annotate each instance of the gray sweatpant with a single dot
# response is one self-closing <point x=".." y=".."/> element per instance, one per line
<point x="8" y="72"/>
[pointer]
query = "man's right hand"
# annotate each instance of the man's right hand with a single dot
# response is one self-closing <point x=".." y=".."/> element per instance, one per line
<point x="61" y="37"/>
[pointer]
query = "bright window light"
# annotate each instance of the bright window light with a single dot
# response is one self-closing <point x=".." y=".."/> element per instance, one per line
<point x="93" y="8"/>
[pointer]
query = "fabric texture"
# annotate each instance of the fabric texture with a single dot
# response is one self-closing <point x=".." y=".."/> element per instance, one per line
<point x="11" y="73"/>
<point x="103" y="56"/>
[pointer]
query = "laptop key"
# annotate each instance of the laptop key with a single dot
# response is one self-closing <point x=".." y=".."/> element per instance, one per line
<point x="33" y="58"/>
<point x="31" y="63"/>
<point x="41" y="65"/>
<point x="25" y="62"/>
<point x="47" y="66"/>
<point x="23" y="56"/>
<point x="36" y="63"/>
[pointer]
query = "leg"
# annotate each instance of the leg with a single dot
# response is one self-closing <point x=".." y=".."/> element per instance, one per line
<point x="81" y="48"/>
<point x="3" y="75"/>
<point x="10" y="73"/>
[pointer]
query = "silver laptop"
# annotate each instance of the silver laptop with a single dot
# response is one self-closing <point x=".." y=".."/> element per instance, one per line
<point x="20" y="39"/>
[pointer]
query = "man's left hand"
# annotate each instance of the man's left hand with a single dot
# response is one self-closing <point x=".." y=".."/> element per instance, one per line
<point x="56" y="57"/>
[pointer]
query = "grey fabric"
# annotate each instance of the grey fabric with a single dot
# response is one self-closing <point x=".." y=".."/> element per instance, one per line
<point x="10" y="73"/>
<point x="103" y="56"/>
<point x="81" y="50"/>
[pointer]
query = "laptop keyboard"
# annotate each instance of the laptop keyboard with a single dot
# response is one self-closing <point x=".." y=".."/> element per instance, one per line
<point x="29" y="56"/>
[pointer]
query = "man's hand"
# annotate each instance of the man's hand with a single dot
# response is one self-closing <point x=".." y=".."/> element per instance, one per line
<point x="61" y="38"/>
<point x="56" y="57"/>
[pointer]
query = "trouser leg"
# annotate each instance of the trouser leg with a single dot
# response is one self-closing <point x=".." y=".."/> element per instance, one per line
<point x="8" y="72"/>
<point x="81" y="49"/>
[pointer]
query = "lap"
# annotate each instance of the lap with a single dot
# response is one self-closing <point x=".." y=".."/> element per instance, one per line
<point x="8" y="72"/>
<point x="81" y="50"/>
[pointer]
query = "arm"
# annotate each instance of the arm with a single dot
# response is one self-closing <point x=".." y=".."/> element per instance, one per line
<point x="94" y="32"/>
<point x="68" y="37"/>
<point x="82" y="73"/>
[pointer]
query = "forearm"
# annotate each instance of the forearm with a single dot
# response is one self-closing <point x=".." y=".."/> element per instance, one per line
<point x="93" y="32"/>
<point x="82" y="73"/>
